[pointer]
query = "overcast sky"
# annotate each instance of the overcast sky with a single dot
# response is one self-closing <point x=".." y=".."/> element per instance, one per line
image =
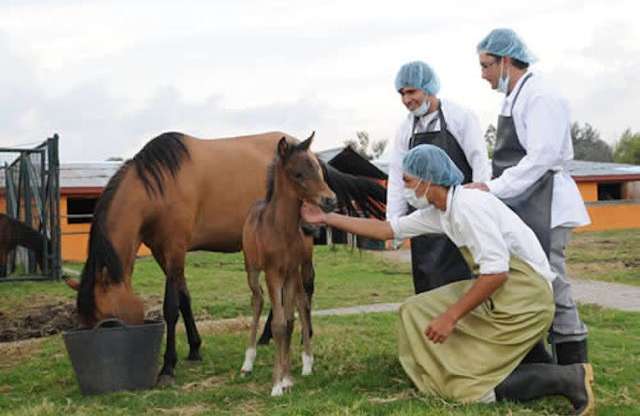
<point x="110" y="75"/>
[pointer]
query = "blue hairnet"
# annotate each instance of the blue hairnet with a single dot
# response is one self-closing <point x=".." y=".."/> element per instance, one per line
<point x="418" y="74"/>
<point x="430" y="163"/>
<point x="505" y="42"/>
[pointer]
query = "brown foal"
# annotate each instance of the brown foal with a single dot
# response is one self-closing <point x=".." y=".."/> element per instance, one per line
<point x="273" y="242"/>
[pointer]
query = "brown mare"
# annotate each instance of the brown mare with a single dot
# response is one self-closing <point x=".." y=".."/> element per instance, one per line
<point x="15" y="233"/>
<point x="274" y="242"/>
<point x="180" y="194"/>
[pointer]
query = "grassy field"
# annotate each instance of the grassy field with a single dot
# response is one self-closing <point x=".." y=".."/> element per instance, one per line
<point x="612" y="256"/>
<point x="356" y="373"/>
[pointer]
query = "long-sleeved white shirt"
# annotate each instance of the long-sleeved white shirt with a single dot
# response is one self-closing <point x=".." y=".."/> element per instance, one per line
<point x="485" y="225"/>
<point x="543" y="124"/>
<point x="462" y="124"/>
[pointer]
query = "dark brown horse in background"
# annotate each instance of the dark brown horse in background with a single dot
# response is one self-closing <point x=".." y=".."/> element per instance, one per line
<point x="180" y="194"/>
<point x="14" y="233"/>
<point x="273" y="242"/>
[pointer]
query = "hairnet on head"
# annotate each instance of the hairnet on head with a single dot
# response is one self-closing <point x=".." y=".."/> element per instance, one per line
<point x="418" y="74"/>
<point x="505" y="42"/>
<point x="430" y="163"/>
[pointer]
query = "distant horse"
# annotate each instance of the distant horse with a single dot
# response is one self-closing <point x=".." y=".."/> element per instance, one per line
<point x="274" y="242"/>
<point x="15" y="233"/>
<point x="180" y="194"/>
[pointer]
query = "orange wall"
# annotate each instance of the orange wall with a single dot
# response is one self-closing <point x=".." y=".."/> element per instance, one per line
<point x="612" y="216"/>
<point x="589" y="191"/>
<point x="75" y="237"/>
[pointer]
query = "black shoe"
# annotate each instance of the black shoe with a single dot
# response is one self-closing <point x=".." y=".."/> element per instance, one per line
<point x="535" y="381"/>
<point x="572" y="352"/>
<point x="582" y="397"/>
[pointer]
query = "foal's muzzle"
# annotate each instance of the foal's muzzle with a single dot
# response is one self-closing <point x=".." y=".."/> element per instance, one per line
<point x="328" y="204"/>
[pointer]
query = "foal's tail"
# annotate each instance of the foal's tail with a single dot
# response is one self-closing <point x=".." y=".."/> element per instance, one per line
<point x="358" y="195"/>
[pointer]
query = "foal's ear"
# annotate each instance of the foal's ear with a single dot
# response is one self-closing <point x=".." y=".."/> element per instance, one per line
<point x="283" y="148"/>
<point x="307" y="143"/>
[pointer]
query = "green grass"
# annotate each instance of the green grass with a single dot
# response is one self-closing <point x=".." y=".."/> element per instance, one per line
<point x="218" y="284"/>
<point x="356" y="373"/>
<point x="611" y="256"/>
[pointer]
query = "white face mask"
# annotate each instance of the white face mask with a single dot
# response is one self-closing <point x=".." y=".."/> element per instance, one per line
<point x="423" y="109"/>
<point x="503" y="83"/>
<point x="413" y="199"/>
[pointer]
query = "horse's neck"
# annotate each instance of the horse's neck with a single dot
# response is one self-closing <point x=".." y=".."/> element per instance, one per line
<point x="283" y="209"/>
<point x="29" y="238"/>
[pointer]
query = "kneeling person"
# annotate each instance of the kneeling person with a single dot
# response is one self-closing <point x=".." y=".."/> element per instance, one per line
<point x="463" y="341"/>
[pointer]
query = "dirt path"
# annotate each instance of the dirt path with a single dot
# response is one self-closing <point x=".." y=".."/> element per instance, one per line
<point x="608" y="295"/>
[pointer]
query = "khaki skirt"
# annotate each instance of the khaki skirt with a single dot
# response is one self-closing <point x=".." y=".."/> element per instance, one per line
<point x="486" y="345"/>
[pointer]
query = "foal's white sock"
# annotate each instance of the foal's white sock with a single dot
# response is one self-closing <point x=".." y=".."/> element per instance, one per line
<point x="249" y="359"/>
<point x="307" y="364"/>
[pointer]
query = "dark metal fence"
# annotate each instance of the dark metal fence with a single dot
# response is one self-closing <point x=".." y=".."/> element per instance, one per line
<point x="32" y="196"/>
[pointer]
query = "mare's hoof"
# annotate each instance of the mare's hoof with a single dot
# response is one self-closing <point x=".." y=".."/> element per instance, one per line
<point x="284" y="386"/>
<point x="165" y="380"/>
<point x="194" y="356"/>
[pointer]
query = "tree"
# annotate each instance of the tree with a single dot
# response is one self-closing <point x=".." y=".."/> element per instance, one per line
<point x="587" y="144"/>
<point x="490" y="139"/>
<point x="627" y="148"/>
<point x="365" y="147"/>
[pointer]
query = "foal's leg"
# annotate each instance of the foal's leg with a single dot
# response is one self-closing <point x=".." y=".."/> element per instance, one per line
<point x="305" y="327"/>
<point x="290" y="296"/>
<point x="278" y="328"/>
<point x="253" y="278"/>
<point x="308" y="279"/>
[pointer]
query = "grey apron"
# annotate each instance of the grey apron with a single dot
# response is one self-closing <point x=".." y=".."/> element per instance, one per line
<point x="533" y="205"/>
<point x="435" y="260"/>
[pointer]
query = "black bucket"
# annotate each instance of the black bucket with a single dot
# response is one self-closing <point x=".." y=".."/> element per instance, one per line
<point x="113" y="356"/>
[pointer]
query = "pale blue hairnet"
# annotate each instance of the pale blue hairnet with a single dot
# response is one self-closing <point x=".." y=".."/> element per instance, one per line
<point x="430" y="163"/>
<point x="418" y="74"/>
<point x="505" y="42"/>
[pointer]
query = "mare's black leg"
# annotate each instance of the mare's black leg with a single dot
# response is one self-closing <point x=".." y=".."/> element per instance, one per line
<point x="170" y="310"/>
<point x="190" y="324"/>
<point x="266" y="333"/>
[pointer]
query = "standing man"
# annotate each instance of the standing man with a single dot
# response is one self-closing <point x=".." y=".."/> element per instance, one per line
<point x="533" y="148"/>
<point x="435" y="260"/>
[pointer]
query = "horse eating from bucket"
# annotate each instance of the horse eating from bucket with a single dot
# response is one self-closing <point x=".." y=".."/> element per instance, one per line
<point x="15" y="233"/>
<point x="179" y="194"/>
<point x="273" y="242"/>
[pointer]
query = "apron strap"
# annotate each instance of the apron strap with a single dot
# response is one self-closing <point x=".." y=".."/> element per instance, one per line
<point x="529" y="75"/>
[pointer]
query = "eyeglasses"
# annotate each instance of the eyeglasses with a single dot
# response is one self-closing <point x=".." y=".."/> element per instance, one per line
<point x="485" y="65"/>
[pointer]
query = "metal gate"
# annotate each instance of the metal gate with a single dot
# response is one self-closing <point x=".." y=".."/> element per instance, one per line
<point x="32" y="196"/>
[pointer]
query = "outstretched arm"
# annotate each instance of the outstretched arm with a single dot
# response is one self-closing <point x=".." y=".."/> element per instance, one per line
<point x="440" y="328"/>
<point x="371" y="228"/>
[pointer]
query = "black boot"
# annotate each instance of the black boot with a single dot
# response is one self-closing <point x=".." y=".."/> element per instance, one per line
<point x="572" y="352"/>
<point x="533" y="381"/>
<point x="538" y="354"/>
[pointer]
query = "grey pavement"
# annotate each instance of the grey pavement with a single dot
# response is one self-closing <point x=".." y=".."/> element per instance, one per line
<point x="608" y="295"/>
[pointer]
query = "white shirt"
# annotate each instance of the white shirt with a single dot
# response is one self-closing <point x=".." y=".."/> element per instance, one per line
<point x="462" y="124"/>
<point x="543" y="124"/>
<point x="485" y="225"/>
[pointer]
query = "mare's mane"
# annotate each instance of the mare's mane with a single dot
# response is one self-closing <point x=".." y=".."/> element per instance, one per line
<point x="162" y="155"/>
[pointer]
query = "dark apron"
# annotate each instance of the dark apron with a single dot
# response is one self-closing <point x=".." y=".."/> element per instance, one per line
<point x="533" y="205"/>
<point x="435" y="260"/>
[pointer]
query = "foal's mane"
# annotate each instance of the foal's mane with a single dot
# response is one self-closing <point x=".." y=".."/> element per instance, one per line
<point x="164" y="154"/>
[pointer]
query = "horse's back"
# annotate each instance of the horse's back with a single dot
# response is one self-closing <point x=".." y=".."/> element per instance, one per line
<point x="228" y="175"/>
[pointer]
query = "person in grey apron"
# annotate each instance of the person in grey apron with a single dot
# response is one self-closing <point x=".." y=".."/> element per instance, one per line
<point x="436" y="261"/>
<point x="505" y="59"/>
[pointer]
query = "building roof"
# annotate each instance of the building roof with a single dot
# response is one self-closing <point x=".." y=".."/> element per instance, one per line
<point x="347" y="160"/>
<point x="81" y="177"/>
<point x="585" y="171"/>
<point x="580" y="170"/>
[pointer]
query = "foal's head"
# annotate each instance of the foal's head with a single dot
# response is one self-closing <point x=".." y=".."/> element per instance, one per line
<point x="304" y="174"/>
